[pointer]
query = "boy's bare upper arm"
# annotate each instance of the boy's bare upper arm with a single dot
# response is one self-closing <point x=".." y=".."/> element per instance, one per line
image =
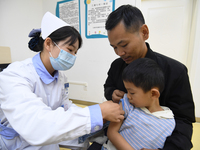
<point x="114" y="126"/>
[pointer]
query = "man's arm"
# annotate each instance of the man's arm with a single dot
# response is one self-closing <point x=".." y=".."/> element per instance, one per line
<point x="182" y="105"/>
<point x="180" y="138"/>
<point x="111" y="92"/>
<point x="114" y="85"/>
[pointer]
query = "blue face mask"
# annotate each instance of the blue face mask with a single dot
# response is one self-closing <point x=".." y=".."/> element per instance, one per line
<point x="64" y="61"/>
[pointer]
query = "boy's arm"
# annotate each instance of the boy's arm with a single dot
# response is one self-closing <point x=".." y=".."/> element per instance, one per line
<point x="117" y="139"/>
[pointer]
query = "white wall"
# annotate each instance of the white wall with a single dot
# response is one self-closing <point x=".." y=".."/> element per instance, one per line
<point x="169" y="24"/>
<point x="17" y="19"/>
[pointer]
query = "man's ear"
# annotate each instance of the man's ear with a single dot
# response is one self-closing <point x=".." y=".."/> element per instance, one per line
<point x="145" y="31"/>
<point x="48" y="44"/>
<point x="155" y="93"/>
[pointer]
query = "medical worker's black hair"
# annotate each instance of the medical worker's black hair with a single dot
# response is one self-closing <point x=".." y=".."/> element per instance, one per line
<point x="144" y="73"/>
<point x="36" y="43"/>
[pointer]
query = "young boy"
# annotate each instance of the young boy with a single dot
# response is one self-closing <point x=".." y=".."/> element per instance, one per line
<point x="146" y="124"/>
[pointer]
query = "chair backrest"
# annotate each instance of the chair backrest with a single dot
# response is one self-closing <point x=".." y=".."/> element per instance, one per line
<point x="5" y="55"/>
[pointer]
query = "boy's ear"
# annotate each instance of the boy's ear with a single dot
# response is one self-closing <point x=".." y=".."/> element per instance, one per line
<point x="155" y="93"/>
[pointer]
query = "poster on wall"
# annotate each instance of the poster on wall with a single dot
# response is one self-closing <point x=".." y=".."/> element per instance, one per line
<point x="96" y="13"/>
<point x="69" y="11"/>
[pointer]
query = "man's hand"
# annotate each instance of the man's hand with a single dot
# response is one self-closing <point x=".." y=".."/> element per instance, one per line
<point x="111" y="111"/>
<point x="117" y="95"/>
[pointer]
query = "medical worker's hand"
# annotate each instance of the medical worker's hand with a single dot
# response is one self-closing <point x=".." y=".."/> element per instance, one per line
<point x="111" y="111"/>
<point x="117" y="95"/>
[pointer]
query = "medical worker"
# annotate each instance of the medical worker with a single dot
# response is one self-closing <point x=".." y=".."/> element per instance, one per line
<point x="35" y="111"/>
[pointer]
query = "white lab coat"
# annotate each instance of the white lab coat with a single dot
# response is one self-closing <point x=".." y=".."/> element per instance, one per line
<point x="33" y="110"/>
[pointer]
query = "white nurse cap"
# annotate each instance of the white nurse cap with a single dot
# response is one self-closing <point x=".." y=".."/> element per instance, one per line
<point x="51" y="23"/>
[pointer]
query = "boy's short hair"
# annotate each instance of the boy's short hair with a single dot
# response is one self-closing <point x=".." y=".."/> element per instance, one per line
<point x="144" y="73"/>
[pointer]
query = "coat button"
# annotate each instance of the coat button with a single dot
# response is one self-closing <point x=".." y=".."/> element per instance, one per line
<point x="96" y="128"/>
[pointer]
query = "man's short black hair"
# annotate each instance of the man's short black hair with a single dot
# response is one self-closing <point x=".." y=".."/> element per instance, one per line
<point x="131" y="16"/>
<point x="144" y="73"/>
